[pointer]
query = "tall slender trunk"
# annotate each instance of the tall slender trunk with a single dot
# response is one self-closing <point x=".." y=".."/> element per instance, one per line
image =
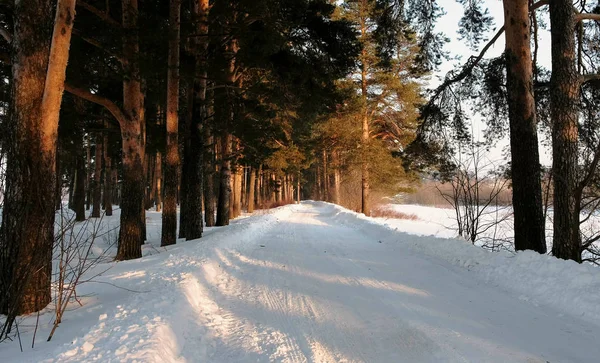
<point x="525" y="171"/>
<point x="107" y="179"/>
<point x="365" y="185"/>
<point x="298" y="188"/>
<point x="97" y="177"/>
<point x="224" y="182"/>
<point x="151" y="177"/>
<point x="237" y="184"/>
<point x="564" y="98"/>
<point x="131" y="233"/>
<point x="39" y="61"/>
<point x="58" y="180"/>
<point x="194" y="187"/>
<point x="209" y="177"/>
<point x="88" y="175"/>
<point x="79" y="193"/>
<point x="251" y="189"/>
<point x="72" y="189"/>
<point x="336" y="176"/>
<point x="184" y="182"/>
<point x="158" y="172"/>
<point x="169" y="216"/>
<point x="259" y="187"/>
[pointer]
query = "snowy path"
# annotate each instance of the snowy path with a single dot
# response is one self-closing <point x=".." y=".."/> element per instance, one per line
<point x="296" y="286"/>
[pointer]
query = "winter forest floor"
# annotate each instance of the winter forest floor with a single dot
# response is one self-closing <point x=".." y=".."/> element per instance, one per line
<point x="316" y="283"/>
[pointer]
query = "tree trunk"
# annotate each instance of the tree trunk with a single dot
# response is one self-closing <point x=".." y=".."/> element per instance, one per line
<point x="97" y="178"/>
<point x="152" y="177"/>
<point x="194" y="159"/>
<point x="259" y="187"/>
<point x="365" y="185"/>
<point x="298" y="189"/>
<point x="27" y="232"/>
<point x="88" y="175"/>
<point x="251" y="189"/>
<point x="107" y="180"/>
<point x="224" y="182"/>
<point x="526" y="177"/>
<point x="71" y="203"/>
<point x="564" y="98"/>
<point x="169" y="217"/>
<point x="184" y="182"/>
<point x="209" y="177"/>
<point x="336" y="176"/>
<point x="237" y="195"/>
<point x="158" y="182"/>
<point x="131" y="233"/>
<point x="79" y="193"/>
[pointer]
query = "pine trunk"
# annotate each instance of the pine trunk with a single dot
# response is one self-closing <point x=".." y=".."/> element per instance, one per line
<point x="158" y="192"/>
<point x="97" y="191"/>
<point x="27" y="234"/>
<point x="365" y="185"/>
<point x="564" y="99"/>
<point x="251" y="189"/>
<point x="526" y="177"/>
<point x="209" y="177"/>
<point x="79" y="193"/>
<point x="237" y="200"/>
<point x="224" y="182"/>
<point x="169" y="216"/>
<point x="259" y="187"/>
<point x="184" y="182"/>
<point x="88" y="175"/>
<point x="336" y="177"/>
<point x="132" y="231"/>
<point x="107" y="180"/>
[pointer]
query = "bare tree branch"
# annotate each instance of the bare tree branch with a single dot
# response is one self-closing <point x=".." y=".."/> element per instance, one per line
<point x="586" y="16"/>
<point x="100" y="14"/>
<point x="99" y="45"/>
<point x="99" y="100"/>
<point x="6" y="35"/>
<point x="589" y="77"/>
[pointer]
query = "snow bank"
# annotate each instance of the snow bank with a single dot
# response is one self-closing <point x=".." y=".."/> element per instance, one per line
<point x="540" y="279"/>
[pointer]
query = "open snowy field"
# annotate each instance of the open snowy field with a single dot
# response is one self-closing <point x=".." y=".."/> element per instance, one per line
<point x="317" y="283"/>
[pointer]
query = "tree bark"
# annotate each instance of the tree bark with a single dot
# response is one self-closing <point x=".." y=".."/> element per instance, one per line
<point x="209" y="176"/>
<point x="251" y="189"/>
<point x="184" y="182"/>
<point x="525" y="171"/>
<point x="97" y="191"/>
<point x="88" y="176"/>
<point x="107" y="180"/>
<point x="365" y="185"/>
<point x="79" y="193"/>
<point x="169" y="216"/>
<point x="158" y="192"/>
<point x="336" y="176"/>
<point x="237" y="195"/>
<point x="131" y="233"/>
<point x="259" y="187"/>
<point x="194" y="163"/>
<point x="224" y="182"/>
<point x="39" y="61"/>
<point x="564" y="98"/>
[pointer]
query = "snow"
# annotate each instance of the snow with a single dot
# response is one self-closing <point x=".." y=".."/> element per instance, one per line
<point x="317" y="283"/>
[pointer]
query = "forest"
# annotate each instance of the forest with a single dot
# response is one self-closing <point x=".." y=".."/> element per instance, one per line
<point x="209" y="110"/>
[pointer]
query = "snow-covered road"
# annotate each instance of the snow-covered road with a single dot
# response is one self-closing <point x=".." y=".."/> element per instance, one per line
<point x="312" y="290"/>
<point x="298" y="286"/>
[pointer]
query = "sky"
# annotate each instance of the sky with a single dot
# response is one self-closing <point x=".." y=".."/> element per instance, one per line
<point x="448" y="24"/>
